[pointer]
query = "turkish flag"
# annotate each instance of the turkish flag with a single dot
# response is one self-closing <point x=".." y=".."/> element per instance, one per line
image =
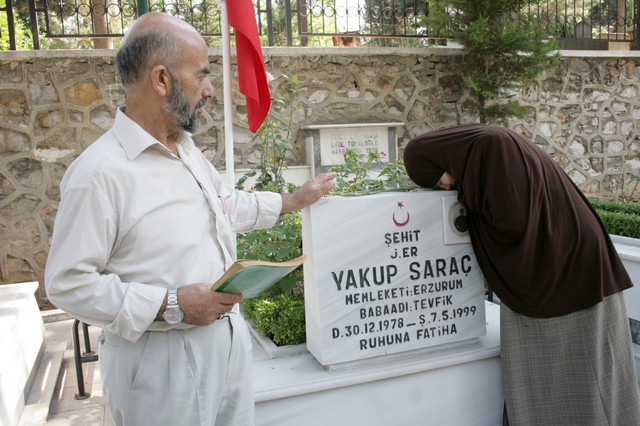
<point x="252" y="75"/>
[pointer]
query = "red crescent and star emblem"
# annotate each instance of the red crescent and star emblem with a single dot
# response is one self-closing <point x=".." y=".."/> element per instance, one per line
<point x="398" y="223"/>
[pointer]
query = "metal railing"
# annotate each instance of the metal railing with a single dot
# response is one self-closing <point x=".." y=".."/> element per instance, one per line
<point x="589" y="19"/>
<point x="304" y="22"/>
<point x="7" y="9"/>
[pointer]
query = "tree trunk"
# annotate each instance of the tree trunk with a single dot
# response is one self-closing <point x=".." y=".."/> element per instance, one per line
<point x="101" y="24"/>
<point x="302" y="23"/>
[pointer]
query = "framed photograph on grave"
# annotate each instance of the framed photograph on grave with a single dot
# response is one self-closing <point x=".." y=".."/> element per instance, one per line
<point x="455" y="223"/>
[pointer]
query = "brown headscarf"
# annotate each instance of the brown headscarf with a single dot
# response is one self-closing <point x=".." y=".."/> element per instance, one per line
<point x="540" y="245"/>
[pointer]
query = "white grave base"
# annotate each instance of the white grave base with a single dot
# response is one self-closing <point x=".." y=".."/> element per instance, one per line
<point x="629" y="251"/>
<point x="22" y="337"/>
<point x="455" y="386"/>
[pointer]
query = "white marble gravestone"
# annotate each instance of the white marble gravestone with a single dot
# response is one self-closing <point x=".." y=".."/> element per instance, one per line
<point x="389" y="273"/>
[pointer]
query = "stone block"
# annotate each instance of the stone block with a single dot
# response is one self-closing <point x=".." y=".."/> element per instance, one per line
<point x="13" y="106"/>
<point x="83" y="93"/>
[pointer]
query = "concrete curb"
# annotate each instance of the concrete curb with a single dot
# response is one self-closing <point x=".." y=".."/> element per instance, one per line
<point x="54" y="315"/>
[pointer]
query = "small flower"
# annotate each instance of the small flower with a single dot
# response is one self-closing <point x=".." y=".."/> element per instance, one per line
<point x="270" y="77"/>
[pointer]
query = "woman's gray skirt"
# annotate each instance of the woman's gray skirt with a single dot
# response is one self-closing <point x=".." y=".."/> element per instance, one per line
<point x="577" y="369"/>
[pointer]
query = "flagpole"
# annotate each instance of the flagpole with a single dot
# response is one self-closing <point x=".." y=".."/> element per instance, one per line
<point x="228" y="107"/>
<point x="227" y="101"/>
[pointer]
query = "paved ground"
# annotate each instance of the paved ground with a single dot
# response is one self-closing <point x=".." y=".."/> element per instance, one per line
<point x="65" y="409"/>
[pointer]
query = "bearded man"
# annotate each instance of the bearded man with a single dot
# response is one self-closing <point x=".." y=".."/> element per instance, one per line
<point x="145" y="225"/>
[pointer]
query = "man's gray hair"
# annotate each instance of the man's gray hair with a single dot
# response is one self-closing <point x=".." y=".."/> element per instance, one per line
<point x="144" y="50"/>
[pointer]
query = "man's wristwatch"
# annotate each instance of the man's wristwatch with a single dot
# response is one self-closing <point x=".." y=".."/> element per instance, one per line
<point x="172" y="313"/>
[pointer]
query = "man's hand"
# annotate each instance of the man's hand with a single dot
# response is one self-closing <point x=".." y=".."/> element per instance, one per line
<point x="308" y="193"/>
<point x="201" y="305"/>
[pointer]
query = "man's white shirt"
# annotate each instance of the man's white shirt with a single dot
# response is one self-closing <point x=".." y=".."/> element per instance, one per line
<point x="135" y="220"/>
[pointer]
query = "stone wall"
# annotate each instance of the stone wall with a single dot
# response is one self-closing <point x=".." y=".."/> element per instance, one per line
<point x="53" y="104"/>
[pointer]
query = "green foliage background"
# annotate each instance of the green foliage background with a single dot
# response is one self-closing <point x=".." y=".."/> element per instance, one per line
<point x="505" y="50"/>
<point x="23" y="39"/>
<point x="619" y="218"/>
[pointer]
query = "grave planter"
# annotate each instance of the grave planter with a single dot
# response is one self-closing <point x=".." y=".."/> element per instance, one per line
<point x="629" y="251"/>
<point x="446" y="370"/>
<point x="270" y="349"/>
<point x="444" y="383"/>
<point x="449" y="386"/>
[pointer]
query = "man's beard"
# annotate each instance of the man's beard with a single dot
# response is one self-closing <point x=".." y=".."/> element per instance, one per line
<point x="178" y="106"/>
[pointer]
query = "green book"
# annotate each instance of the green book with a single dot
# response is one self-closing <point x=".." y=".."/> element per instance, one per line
<point x="252" y="277"/>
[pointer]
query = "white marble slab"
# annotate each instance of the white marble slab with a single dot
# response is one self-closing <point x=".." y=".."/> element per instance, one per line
<point x="446" y="386"/>
<point x="380" y="278"/>
<point x="629" y="251"/>
<point x="22" y="337"/>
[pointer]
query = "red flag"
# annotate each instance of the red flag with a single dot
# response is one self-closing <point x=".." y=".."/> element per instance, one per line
<point x="252" y="75"/>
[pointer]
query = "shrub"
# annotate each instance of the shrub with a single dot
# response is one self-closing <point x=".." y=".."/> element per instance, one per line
<point x="281" y="318"/>
<point x="623" y="224"/>
<point x="616" y="206"/>
<point x="619" y="218"/>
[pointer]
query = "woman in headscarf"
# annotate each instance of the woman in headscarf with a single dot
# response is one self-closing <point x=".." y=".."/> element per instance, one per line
<point x="566" y="351"/>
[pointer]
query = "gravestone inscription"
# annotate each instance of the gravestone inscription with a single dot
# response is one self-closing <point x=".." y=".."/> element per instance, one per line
<point x="327" y="143"/>
<point x="389" y="273"/>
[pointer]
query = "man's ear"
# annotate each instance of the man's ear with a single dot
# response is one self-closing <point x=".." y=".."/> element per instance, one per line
<point x="161" y="80"/>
